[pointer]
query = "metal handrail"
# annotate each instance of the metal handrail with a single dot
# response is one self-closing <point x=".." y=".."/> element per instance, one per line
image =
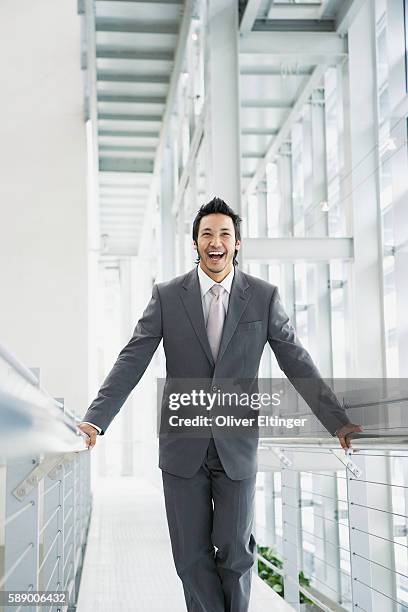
<point x="380" y="441"/>
<point x="16" y="365"/>
<point x="31" y="420"/>
<point x="367" y="404"/>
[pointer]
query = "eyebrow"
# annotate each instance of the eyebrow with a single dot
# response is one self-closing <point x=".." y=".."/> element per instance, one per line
<point x="210" y="229"/>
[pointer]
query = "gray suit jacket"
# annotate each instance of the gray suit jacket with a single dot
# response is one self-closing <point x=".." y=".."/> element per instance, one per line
<point x="175" y="314"/>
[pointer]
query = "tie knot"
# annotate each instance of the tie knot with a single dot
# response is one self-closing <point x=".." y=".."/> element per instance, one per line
<point x="217" y="290"/>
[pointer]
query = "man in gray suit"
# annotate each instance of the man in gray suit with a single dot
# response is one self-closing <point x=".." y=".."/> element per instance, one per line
<point x="214" y="321"/>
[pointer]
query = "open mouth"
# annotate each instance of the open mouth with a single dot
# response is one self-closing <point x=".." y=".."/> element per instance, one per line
<point x="216" y="255"/>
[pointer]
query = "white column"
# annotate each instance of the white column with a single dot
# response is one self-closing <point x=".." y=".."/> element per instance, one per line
<point x="265" y="368"/>
<point x="190" y="209"/>
<point x="290" y="528"/>
<point x="222" y="89"/>
<point x="43" y="229"/>
<point x="321" y="346"/>
<point x="180" y="238"/>
<point x="167" y="222"/>
<point x="399" y="164"/>
<point x="126" y="323"/>
<point x="269" y="503"/>
<point x="327" y="535"/>
<point x="285" y="179"/>
<point x="361" y="180"/>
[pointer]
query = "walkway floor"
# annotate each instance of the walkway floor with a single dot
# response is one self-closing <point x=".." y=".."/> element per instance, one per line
<point x="128" y="564"/>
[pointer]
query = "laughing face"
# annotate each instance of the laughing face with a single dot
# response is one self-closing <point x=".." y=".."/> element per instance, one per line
<point x="216" y="245"/>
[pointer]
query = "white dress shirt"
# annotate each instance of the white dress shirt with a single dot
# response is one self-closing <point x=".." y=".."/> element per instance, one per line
<point x="205" y="285"/>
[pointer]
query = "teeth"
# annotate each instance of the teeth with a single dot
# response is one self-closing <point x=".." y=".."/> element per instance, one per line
<point x="215" y="253"/>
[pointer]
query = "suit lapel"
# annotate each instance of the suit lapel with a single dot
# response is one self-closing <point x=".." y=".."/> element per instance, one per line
<point x="191" y="297"/>
<point x="239" y="296"/>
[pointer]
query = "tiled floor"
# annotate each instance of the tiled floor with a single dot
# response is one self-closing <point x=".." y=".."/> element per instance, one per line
<point x="128" y="565"/>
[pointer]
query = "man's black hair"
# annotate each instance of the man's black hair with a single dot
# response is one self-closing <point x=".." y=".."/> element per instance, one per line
<point x="216" y="205"/>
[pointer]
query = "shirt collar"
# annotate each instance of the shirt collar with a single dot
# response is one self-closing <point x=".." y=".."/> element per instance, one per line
<point x="206" y="282"/>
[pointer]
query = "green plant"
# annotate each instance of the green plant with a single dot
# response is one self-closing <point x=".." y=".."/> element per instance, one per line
<point x="273" y="579"/>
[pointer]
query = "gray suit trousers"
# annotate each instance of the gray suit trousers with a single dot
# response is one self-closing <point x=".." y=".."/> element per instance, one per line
<point x="205" y="511"/>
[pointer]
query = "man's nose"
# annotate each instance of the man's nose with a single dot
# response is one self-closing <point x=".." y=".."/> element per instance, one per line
<point x="216" y="241"/>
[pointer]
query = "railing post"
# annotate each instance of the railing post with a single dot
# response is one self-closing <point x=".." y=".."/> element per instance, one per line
<point x="68" y="528"/>
<point x="326" y="530"/>
<point x="359" y="540"/>
<point x="269" y="501"/>
<point x="290" y="530"/>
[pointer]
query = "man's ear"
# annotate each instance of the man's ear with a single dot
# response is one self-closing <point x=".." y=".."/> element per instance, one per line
<point x="238" y="245"/>
<point x="194" y="245"/>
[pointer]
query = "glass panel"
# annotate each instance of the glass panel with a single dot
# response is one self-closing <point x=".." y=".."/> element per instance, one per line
<point x="338" y="300"/>
<point x="399" y="478"/>
<point x="273" y="201"/>
<point x="298" y="180"/>
<point x="334" y="158"/>
<point x="387" y="147"/>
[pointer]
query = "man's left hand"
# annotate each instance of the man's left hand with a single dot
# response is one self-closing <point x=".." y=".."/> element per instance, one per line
<point x="346" y="429"/>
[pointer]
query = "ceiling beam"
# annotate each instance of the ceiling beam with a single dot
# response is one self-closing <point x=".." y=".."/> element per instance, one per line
<point x="294" y="25"/>
<point x="114" y="250"/>
<point x="298" y="249"/>
<point x="295" y="11"/>
<point x="133" y="183"/>
<point x="119" y="207"/>
<point x="282" y="70"/>
<point x="126" y="149"/>
<point x="128" y="134"/>
<point x="305" y="47"/>
<point x="131" y="99"/>
<point x="284" y="131"/>
<point x="128" y="77"/>
<point x="107" y="24"/>
<point x="128" y="117"/>
<point x="133" y="54"/>
<point x="130" y="219"/>
<point x="165" y="2"/>
<point x="117" y="164"/>
<point x="124" y="213"/>
<point x="124" y="205"/>
<point x="276" y="104"/>
<point x="108" y="199"/>
<point x="252" y="155"/>
<point x="249" y="16"/>
<point x="126" y="189"/>
<point x="124" y="196"/>
<point x="252" y="131"/>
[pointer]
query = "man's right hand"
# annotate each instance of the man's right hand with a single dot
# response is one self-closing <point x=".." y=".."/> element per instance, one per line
<point x="92" y="433"/>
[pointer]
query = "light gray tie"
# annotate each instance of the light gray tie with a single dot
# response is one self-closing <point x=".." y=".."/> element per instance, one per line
<point x="215" y="321"/>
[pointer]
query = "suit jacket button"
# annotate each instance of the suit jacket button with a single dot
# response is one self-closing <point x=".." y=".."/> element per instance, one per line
<point x="214" y="388"/>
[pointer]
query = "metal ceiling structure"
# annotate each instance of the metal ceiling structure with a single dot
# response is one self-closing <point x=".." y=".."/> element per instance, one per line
<point x="133" y="48"/>
<point x="285" y="48"/>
